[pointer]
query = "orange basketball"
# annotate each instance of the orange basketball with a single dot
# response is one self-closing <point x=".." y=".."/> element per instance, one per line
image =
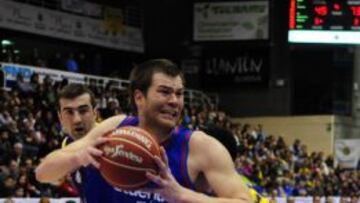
<point x="128" y="154"/>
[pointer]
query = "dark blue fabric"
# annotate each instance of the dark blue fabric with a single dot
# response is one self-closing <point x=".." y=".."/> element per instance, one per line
<point x="94" y="189"/>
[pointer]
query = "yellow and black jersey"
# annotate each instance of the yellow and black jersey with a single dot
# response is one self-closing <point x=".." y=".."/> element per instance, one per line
<point x="66" y="141"/>
<point x="256" y="197"/>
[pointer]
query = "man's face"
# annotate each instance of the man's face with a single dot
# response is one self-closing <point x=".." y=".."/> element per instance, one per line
<point x="77" y="115"/>
<point x="163" y="103"/>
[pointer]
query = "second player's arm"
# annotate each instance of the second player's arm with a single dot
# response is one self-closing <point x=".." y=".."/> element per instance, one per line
<point x="63" y="161"/>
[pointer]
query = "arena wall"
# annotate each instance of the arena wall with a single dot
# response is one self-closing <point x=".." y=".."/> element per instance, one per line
<point x="317" y="132"/>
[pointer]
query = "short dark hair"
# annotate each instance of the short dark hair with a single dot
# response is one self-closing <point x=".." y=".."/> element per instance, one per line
<point x="74" y="90"/>
<point x="142" y="74"/>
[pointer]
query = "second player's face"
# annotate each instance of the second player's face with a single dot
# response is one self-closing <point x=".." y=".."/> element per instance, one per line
<point x="77" y="115"/>
<point x="163" y="102"/>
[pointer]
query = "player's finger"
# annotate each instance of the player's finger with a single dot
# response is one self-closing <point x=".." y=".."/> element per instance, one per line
<point x="164" y="170"/>
<point x="95" y="163"/>
<point x="160" y="163"/>
<point x="101" y="140"/>
<point x="154" y="178"/>
<point x="95" y="152"/>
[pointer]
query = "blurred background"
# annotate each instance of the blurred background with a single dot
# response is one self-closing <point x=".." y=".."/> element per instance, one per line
<point x="282" y="76"/>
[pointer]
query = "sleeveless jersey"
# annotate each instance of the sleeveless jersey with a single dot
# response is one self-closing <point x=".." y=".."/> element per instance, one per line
<point x="94" y="189"/>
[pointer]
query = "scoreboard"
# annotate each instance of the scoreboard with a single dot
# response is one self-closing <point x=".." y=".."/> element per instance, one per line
<point x="324" y="21"/>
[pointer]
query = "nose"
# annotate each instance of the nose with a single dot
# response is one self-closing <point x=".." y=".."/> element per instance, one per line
<point x="174" y="99"/>
<point x="77" y="117"/>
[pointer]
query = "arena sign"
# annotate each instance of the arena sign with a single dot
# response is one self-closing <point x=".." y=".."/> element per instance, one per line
<point x="247" y="68"/>
<point x="12" y="70"/>
<point x="41" y="21"/>
<point x="347" y="153"/>
<point x="2" y="78"/>
<point x="247" y="20"/>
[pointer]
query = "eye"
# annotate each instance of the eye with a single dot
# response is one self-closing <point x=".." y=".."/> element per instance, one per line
<point x="165" y="92"/>
<point x="180" y="93"/>
<point x="68" y="112"/>
<point x="84" y="109"/>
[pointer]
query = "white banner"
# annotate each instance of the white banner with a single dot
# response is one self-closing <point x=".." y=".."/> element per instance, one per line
<point x="347" y="152"/>
<point x="37" y="200"/>
<point x="27" y="18"/>
<point x="76" y="6"/>
<point x="306" y="199"/>
<point x="2" y="78"/>
<point x="92" y="9"/>
<point x="76" y="200"/>
<point x="12" y="70"/>
<point x="231" y="21"/>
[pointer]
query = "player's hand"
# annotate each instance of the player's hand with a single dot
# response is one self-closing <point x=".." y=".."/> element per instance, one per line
<point x="168" y="187"/>
<point x="89" y="153"/>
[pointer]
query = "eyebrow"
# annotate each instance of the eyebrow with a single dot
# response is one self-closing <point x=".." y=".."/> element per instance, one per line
<point x="168" y="87"/>
<point x="79" y="107"/>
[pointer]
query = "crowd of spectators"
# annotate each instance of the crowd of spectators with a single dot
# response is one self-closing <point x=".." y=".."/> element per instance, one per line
<point x="276" y="168"/>
<point x="77" y="62"/>
<point x="29" y="129"/>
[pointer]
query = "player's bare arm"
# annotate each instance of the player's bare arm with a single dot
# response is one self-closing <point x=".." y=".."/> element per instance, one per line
<point x="215" y="162"/>
<point x="208" y="156"/>
<point x="82" y="152"/>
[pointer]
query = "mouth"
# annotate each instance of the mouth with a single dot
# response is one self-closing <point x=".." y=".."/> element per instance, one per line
<point x="170" y="114"/>
<point x="79" y="130"/>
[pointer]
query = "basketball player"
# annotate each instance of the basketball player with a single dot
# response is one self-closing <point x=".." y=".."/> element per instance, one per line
<point x="190" y="160"/>
<point x="76" y="110"/>
<point x="77" y="114"/>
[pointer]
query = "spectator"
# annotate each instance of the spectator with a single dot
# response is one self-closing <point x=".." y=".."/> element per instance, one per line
<point x="71" y="64"/>
<point x="7" y="188"/>
<point x="22" y="86"/>
<point x="83" y="63"/>
<point x="57" y="62"/>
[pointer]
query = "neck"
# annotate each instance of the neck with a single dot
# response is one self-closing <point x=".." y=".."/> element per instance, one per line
<point x="159" y="133"/>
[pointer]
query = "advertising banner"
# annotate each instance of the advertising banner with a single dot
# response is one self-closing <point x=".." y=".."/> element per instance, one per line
<point x="41" y="21"/>
<point x="247" y="20"/>
<point x="244" y="68"/>
<point x="347" y="152"/>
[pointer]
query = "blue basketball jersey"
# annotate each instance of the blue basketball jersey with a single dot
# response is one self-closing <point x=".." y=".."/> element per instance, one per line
<point x="94" y="189"/>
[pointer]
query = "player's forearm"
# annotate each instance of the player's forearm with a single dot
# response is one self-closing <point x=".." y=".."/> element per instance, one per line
<point x="190" y="196"/>
<point x="56" y="166"/>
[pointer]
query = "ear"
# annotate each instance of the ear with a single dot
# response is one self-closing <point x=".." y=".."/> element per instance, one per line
<point x="96" y="112"/>
<point x="59" y="116"/>
<point x="138" y="98"/>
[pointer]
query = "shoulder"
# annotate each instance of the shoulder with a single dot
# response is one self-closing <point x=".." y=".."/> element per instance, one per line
<point x="203" y="140"/>
<point x="200" y="137"/>
<point x="207" y="149"/>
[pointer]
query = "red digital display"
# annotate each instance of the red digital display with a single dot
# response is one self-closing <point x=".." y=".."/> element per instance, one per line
<point x="356" y="22"/>
<point x="324" y="21"/>
<point x="337" y="7"/>
<point x="318" y="21"/>
<point x="355" y="10"/>
<point x="324" y="15"/>
<point x="292" y="22"/>
<point x="321" y="10"/>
